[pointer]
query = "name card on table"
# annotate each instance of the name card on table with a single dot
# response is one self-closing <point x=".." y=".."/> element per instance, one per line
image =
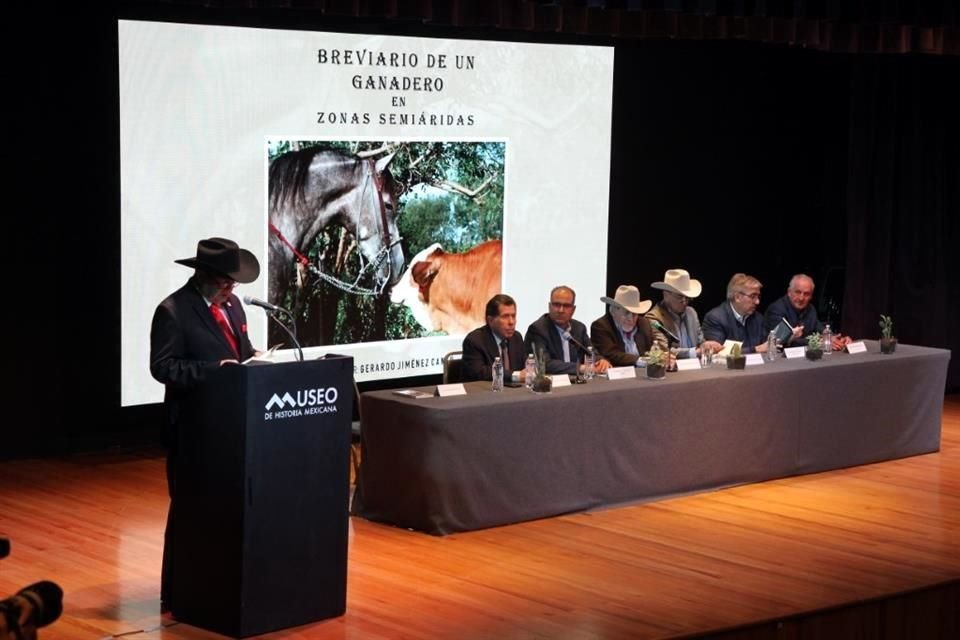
<point x="857" y="347"/>
<point x="794" y="352"/>
<point x="446" y="390"/>
<point x="687" y="364"/>
<point x="621" y="373"/>
<point x="561" y="380"/>
<point x="754" y="358"/>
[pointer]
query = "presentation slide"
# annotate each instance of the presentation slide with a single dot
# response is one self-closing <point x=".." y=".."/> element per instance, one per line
<point x="389" y="186"/>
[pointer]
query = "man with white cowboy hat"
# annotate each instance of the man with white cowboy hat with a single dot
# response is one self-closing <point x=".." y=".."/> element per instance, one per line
<point x="675" y="324"/>
<point x="197" y="329"/>
<point x="622" y="335"/>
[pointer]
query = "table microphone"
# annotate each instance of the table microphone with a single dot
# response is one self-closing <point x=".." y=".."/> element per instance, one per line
<point x="569" y="336"/>
<point x="656" y="324"/>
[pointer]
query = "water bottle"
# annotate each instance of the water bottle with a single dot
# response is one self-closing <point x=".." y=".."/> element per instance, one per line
<point x="771" y="346"/>
<point x="530" y="371"/>
<point x="827" y="338"/>
<point x="497" y="375"/>
<point x="588" y="364"/>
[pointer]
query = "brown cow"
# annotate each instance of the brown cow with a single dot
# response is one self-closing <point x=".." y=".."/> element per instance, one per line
<point x="448" y="291"/>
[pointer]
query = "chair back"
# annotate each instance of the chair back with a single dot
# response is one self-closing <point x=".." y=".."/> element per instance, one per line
<point x="451" y="367"/>
<point x="357" y="417"/>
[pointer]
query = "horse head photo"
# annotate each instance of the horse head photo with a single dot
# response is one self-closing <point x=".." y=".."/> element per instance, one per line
<point x="314" y="187"/>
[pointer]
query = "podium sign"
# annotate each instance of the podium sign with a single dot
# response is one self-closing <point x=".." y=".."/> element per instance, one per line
<point x="260" y="541"/>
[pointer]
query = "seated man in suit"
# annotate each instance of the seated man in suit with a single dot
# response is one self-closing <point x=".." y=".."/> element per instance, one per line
<point x="736" y="318"/>
<point x="498" y="338"/>
<point x="622" y="334"/>
<point x="562" y="338"/>
<point x="796" y="309"/>
<point x="675" y="324"/>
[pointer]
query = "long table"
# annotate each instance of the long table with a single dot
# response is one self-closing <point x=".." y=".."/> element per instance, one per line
<point x="442" y="465"/>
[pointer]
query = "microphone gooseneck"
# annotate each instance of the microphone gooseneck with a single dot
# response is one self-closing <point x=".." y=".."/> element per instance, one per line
<point x="292" y="334"/>
<point x="569" y="336"/>
<point x="656" y="324"/>
<point x="272" y="311"/>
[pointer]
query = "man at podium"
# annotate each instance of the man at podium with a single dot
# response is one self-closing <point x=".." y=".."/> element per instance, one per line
<point x="198" y="328"/>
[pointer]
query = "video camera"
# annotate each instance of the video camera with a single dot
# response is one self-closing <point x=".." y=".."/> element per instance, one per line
<point x="31" y="608"/>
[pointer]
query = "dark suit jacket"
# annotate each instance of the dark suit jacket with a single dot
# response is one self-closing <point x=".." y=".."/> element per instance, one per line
<point x="720" y="324"/>
<point x="186" y="344"/>
<point x="479" y="350"/>
<point x="543" y="333"/>
<point x="609" y="343"/>
<point x="782" y="308"/>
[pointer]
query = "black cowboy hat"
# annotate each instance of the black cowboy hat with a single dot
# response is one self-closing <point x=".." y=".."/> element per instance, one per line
<point x="224" y="258"/>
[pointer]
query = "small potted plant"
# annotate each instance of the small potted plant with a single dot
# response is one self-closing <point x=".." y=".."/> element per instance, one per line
<point x="888" y="344"/>
<point x="814" y="349"/>
<point x="542" y="383"/>
<point x="736" y="359"/>
<point x="656" y="362"/>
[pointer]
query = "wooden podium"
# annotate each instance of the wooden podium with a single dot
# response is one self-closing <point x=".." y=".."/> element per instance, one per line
<point x="262" y="496"/>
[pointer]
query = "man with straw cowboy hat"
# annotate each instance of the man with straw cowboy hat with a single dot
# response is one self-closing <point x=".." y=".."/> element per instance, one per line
<point x="622" y="334"/>
<point x="675" y="324"/>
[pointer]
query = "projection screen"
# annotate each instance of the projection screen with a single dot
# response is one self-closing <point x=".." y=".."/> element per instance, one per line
<point x="486" y="163"/>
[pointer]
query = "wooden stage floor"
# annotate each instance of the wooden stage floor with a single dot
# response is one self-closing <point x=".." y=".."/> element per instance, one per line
<point x="688" y="565"/>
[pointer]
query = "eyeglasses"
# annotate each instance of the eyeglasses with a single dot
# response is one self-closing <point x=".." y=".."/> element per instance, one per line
<point x="223" y="283"/>
<point x="562" y="305"/>
<point x="679" y="296"/>
<point x="753" y="296"/>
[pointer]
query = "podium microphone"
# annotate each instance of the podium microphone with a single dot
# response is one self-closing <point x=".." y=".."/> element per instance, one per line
<point x="273" y="309"/>
<point x="263" y="304"/>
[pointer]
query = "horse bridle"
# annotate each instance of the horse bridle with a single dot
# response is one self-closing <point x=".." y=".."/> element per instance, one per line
<point x="353" y="287"/>
<point x="378" y="183"/>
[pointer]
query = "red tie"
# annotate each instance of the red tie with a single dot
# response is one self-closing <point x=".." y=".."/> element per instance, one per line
<point x="221" y="320"/>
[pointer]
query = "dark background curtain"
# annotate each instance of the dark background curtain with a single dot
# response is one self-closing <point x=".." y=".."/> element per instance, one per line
<point x="728" y="154"/>
<point x="728" y="157"/>
<point x="903" y="204"/>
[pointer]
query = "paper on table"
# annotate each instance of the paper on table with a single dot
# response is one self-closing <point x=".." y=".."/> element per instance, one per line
<point x="267" y="357"/>
<point x="727" y="345"/>
<point x="412" y="393"/>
